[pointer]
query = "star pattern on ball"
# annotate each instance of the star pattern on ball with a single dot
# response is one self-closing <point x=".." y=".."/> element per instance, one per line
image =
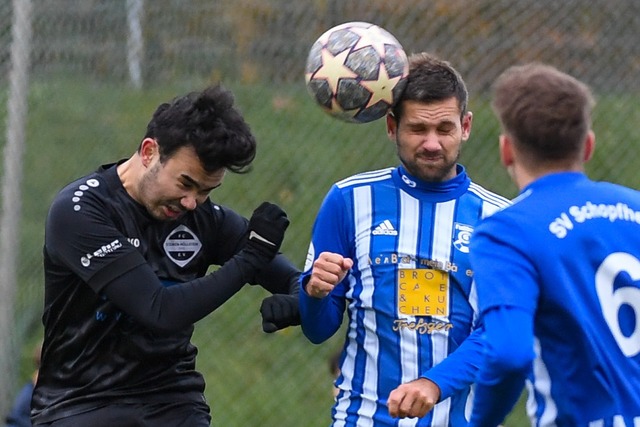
<point x="333" y="69"/>
<point x="365" y="51"/>
<point x="375" y="37"/>
<point x="324" y="38"/>
<point x="382" y="88"/>
<point x="350" y="114"/>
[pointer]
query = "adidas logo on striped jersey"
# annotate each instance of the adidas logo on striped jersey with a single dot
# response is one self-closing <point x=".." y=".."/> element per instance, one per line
<point x="385" y="228"/>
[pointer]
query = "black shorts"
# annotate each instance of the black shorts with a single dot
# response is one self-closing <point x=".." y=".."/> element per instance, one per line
<point x="178" y="414"/>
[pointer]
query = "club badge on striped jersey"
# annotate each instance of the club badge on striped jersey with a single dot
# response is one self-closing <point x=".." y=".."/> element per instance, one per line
<point x="462" y="236"/>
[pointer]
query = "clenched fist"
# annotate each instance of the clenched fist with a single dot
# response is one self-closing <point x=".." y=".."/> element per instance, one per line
<point x="328" y="270"/>
<point x="413" y="399"/>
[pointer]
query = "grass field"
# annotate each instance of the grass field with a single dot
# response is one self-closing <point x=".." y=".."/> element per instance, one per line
<point x="253" y="379"/>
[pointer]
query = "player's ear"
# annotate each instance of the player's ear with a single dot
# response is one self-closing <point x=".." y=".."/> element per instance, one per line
<point x="148" y="149"/>
<point x="506" y="151"/>
<point x="392" y="126"/>
<point x="467" y="119"/>
<point x="589" y="146"/>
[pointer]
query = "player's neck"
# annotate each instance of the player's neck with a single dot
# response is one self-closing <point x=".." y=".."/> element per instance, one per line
<point x="128" y="172"/>
<point x="523" y="176"/>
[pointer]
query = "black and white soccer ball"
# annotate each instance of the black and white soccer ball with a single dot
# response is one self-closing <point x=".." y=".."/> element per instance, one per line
<point x="356" y="71"/>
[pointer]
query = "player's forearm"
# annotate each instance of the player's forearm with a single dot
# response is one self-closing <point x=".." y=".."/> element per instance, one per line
<point x="320" y="318"/>
<point x="141" y="295"/>
<point x="280" y="276"/>
<point x="459" y="369"/>
<point x="492" y="403"/>
<point x="508" y="343"/>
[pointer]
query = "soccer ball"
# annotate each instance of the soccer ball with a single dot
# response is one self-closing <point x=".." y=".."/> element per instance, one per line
<point x="356" y="71"/>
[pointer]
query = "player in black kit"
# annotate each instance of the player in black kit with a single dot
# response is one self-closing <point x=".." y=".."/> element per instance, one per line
<point x="126" y="255"/>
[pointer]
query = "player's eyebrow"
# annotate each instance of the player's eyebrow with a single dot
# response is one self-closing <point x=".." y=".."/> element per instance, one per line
<point x="197" y="184"/>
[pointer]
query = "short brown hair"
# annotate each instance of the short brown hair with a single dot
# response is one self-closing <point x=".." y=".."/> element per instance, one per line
<point x="547" y="113"/>
<point x="431" y="80"/>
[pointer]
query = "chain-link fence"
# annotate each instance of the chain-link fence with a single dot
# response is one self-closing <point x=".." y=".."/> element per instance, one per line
<point x="82" y="78"/>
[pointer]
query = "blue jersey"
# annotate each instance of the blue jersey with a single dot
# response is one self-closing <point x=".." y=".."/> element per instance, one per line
<point x="564" y="260"/>
<point x="410" y="297"/>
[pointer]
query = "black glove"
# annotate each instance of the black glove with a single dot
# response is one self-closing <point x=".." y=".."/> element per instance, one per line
<point x="279" y="311"/>
<point x="266" y="232"/>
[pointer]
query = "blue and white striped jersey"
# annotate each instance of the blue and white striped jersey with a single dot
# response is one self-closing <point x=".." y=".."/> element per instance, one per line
<point x="567" y="255"/>
<point x="410" y="296"/>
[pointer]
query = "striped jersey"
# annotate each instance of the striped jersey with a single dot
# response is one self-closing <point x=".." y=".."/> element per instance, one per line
<point x="410" y="297"/>
<point x="567" y="252"/>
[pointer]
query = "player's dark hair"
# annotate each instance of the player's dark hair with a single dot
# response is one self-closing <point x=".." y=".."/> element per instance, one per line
<point x="209" y="122"/>
<point x="546" y="112"/>
<point x="431" y="80"/>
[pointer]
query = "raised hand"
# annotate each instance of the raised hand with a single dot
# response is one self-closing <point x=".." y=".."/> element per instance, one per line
<point x="266" y="231"/>
<point x="328" y="270"/>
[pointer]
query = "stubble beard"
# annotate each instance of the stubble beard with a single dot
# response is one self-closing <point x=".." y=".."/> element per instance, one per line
<point x="434" y="172"/>
<point x="145" y="186"/>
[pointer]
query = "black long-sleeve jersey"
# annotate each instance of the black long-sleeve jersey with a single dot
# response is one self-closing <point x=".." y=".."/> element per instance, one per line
<point x="123" y="290"/>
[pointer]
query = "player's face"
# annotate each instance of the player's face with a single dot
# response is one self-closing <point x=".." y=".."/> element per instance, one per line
<point x="176" y="186"/>
<point x="428" y="138"/>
